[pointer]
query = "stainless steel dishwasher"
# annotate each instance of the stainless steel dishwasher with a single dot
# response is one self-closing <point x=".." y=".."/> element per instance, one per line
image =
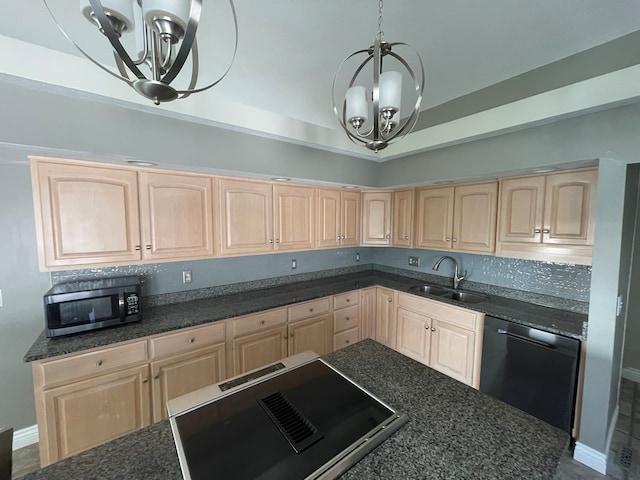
<point x="532" y="370"/>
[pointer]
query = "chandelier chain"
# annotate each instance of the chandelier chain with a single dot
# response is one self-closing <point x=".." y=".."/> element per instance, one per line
<point x="380" y="32"/>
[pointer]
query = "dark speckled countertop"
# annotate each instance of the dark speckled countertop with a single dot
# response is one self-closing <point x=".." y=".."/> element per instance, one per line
<point x="166" y="318"/>
<point x="454" y="432"/>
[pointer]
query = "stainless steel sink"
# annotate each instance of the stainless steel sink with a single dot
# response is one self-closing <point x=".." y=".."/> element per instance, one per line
<point x="430" y="289"/>
<point x="466" y="297"/>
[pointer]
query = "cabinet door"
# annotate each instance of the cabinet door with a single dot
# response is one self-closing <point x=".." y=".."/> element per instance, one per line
<point x="245" y="217"/>
<point x="350" y="218"/>
<point x="294" y="217"/>
<point x="314" y="334"/>
<point x="402" y="232"/>
<point x="368" y="313"/>
<point x="474" y="217"/>
<point x="185" y="373"/>
<point x="434" y="223"/>
<point x="521" y="209"/>
<point x="259" y="349"/>
<point x="385" y="317"/>
<point x="84" y="414"/>
<point x="452" y="350"/>
<point x="414" y="335"/>
<point x="85" y="215"/>
<point x="569" y="217"/>
<point x="177" y="215"/>
<point x="328" y="228"/>
<point x="376" y="222"/>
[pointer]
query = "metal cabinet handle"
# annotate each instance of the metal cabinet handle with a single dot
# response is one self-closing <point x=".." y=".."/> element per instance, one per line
<point x="448" y="239"/>
<point x="138" y="247"/>
<point x="262" y="322"/>
<point x="191" y="340"/>
<point x="311" y="309"/>
<point x="433" y="329"/>
<point x="348" y="319"/>
<point x="426" y="327"/>
<point x="389" y="300"/>
<point x="99" y="363"/>
<point x="455" y="239"/>
<point x="277" y="240"/>
<point x="291" y="335"/>
<point x="148" y="247"/>
<point x="156" y="376"/>
<point x="348" y="300"/>
<point x="271" y="240"/>
<point x="537" y="230"/>
<point x="346" y="341"/>
<point x="388" y="236"/>
<point x="146" y="380"/>
<point x="406" y="237"/>
<point x="546" y="230"/>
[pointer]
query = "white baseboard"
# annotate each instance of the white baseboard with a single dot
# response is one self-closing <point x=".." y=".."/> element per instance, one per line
<point x="632" y="374"/>
<point x="25" y="437"/>
<point x="590" y="457"/>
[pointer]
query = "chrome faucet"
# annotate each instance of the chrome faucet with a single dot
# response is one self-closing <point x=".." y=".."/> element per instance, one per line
<point x="456" y="278"/>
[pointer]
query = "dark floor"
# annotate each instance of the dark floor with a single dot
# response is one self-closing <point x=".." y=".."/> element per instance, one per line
<point x="624" y="459"/>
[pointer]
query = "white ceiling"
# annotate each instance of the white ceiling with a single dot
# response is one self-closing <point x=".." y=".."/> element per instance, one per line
<point x="289" y="50"/>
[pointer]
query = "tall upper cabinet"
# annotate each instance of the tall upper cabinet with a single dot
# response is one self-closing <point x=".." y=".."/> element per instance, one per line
<point x="402" y="231"/>
<point x="548" y="217"/>
<point x="338" y="218"/>
<point x="96" y="215"/>
<point x="376" y="218"/>
<point x="460" y="218"/>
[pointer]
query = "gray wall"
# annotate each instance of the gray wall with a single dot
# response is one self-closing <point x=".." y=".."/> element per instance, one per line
<point x="52" y="121"/>
<point x="631" y="357"/>
<point x="21" y="318"/>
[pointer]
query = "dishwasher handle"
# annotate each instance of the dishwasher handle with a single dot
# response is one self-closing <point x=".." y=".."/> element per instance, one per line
<point x="502" y="331"/>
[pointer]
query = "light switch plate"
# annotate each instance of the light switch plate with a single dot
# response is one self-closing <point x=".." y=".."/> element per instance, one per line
<point x="186" y="276"/>
<point x="1" y="304"/>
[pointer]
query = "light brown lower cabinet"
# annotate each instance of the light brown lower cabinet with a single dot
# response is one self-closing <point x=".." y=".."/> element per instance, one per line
<point x="85" y="399"/>
<point x="185" y="373"/>
<point x="84" y="414"/>
<point x="445" y="337"/>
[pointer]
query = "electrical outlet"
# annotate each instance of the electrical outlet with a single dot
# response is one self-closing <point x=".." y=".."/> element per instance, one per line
<point x="414" y="261"/>
<point x="294" y="264"/>
<point x="357" y="257"/>
<point x="186" y="276"/>
<point x="619" y="305"/>
<point x="1" y="304"/>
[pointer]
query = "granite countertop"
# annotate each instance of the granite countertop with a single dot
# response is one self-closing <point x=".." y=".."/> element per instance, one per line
<point x="454" y="432"/>
<point x="166" y="318"/>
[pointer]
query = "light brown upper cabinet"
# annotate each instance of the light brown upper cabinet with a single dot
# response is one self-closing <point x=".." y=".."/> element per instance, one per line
<point x="461" y="218"/>
<point x="338" y="218"/>
<point x="84" y="214"/>
<point x="548" y="217"/>
<point x="176" y="215"/>
<point x="376" y="218"/>
<point x="294" y="217"/>
<point x="402" y="232"/>
<point x="94" y="215"/>
<point x="258" y="217"/>
<point x="246" y="215"/>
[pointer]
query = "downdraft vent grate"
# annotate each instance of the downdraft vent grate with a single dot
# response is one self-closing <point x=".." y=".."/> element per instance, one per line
<point x="297" y="430"/>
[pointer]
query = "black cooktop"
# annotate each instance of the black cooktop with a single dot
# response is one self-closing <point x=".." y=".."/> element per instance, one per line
<point x="295" y="425"/>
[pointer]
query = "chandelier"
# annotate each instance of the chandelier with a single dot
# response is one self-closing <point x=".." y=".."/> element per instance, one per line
<point x="165" y="37"/>
<point x="381" y="103"/>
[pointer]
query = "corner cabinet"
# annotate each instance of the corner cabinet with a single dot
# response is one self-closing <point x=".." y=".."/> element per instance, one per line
<point x="460" y="218"/>
<point x="402" y="232"/>
<point x="376" y="218"/>
<point x="385" y="331"/>
<point x="101" y="215"/>
<point x="548" y="217"/>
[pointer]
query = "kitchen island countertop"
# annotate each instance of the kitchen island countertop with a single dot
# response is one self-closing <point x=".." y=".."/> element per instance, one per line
<point x="162" y="319"/>
<point x="454" y="432"/>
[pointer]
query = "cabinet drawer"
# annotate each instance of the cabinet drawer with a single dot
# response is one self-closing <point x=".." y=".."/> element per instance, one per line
<point x="346" y="318"/>
<point x="345" y="339"/>
<point x="259" y="321"/>
<point x="309" y="309"/>
<point x="187" y="340"/>
<point x="346" y="299"/>
<point x="93" y="363"/>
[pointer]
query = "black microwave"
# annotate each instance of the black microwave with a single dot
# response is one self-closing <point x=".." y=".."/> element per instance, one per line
<point x="91" y="304"/>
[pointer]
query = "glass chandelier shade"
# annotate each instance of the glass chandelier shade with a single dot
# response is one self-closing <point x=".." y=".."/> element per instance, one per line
<point x="371" y="116"/>
<point x="165" y="37"/>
